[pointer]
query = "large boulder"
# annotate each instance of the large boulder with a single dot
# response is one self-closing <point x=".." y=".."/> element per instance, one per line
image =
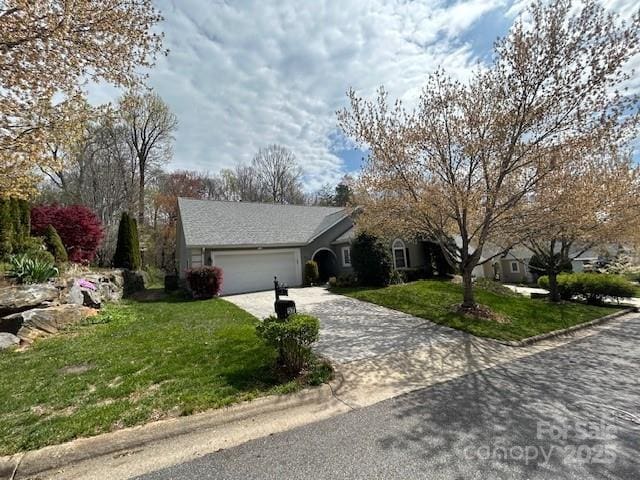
<point x="81" y="294"/>
<point x="42" y="322"/>
<point x="92" y="289"/>
<point x="91" y="298"/>
<point x="17" y="298"/>
<point x="8" y="340"/>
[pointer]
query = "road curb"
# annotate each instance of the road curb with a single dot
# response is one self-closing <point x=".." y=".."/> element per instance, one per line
<point x="54" y="457"/>
<point x="557" y="333"/>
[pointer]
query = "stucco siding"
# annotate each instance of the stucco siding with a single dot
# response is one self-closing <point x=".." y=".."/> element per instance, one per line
<point x="508" y="275"/>
<point x="337" y="249"/>
<point x="324" y="241"/>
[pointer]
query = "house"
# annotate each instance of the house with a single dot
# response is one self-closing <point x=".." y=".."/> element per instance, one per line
<point x="513" y="266"/>
<point x="253" y="242"/>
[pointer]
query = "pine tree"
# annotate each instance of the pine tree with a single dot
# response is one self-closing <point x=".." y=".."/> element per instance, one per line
<point x="54" y="245"/>
<point x="25" y="218"/>
<point x="137" y="258"/>
<point x="16" y="223"/>
<point x="128" y="248"/>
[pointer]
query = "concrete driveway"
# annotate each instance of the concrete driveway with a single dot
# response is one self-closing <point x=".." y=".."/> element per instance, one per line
<point x="351" y="329"/>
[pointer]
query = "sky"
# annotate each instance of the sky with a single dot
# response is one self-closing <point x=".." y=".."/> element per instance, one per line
<point x="241" y="75"/>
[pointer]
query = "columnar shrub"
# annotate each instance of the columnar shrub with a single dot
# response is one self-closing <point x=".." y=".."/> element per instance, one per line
<point x="311" y="273"/>
<point x="128" y="247"/>
<point x="371" y="260"/>
<point x="14" y="225"/>
<point x="292" y="338"/>
<point x="54" y="245"/>
<point x="6" y="228"/>
<point x="79" y="228"/>
<point x="205" y="282"/>
<point x="34" y="247"/>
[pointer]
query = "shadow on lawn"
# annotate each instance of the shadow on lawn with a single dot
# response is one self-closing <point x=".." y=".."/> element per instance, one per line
<point x="158" y="295"/>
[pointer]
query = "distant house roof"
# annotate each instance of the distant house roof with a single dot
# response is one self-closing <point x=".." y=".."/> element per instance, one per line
<point x="235" y="224"/>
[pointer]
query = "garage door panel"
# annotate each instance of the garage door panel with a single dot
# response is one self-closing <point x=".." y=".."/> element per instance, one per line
<point x="254" y="270"/>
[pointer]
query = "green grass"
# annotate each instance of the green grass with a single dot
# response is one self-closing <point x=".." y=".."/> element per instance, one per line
<point x="136" y="362"/>
<point x="435" y="300"/>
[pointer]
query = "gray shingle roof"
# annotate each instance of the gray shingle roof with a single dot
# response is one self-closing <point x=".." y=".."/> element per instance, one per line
<point x="219" y="223"/>
<point x="346" y="237"/>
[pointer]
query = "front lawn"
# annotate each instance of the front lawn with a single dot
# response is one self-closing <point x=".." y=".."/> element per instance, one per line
<point x="138" y="362"/>
<point x="434" y="300"/>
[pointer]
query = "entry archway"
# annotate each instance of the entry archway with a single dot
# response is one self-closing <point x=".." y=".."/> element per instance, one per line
<point x="327" y="263"/>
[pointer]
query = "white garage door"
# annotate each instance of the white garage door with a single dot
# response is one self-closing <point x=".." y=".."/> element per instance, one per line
<point x="253" y="270"/>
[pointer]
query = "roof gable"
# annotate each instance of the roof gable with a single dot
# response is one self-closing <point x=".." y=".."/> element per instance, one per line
<point x="234" y="224"/>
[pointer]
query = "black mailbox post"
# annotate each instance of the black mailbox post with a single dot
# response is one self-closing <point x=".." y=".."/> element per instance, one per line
<point x="283" y="308"/>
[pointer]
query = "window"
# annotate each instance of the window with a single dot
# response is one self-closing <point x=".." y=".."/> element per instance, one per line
<point x="514" y="267"/>
<point x="196" y="258"/>
<point x="346" y="256"/>
<point x="399" y="254"/>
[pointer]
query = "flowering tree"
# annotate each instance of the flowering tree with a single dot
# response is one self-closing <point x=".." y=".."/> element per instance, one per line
<point x="79" y="228"/>
<point x="579" y="206"/>
<point x="51" y="47"/>
<point x="462" y="162"/>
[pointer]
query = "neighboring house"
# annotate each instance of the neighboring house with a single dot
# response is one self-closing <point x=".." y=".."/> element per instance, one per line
<point x="513" y="267"/>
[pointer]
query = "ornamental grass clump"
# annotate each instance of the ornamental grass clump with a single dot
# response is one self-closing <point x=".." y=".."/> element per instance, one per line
<point x="27" y="269"/>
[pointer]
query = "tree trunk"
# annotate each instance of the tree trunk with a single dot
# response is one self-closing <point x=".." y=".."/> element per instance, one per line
<point x="427" y="248"/>
<point x="554" y="293"/>
<point x="141" y="196"/>
<point x="468" y="301"/>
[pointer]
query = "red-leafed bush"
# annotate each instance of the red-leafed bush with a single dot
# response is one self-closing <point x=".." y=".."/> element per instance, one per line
<point x="205" y="282"/>
<point x="79" y="228"/>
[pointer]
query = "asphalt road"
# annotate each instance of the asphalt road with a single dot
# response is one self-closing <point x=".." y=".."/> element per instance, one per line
<point x="568" y="413"/>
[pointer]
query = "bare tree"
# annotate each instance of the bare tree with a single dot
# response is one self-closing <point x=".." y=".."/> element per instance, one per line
<point x="461" y="163"/>
<point x="246" y="184"/>
<point x="150" y="127"/>
<point x="278" y="174"/>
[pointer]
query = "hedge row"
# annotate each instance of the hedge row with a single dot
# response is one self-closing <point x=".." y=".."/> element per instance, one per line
<point x="591" y="287"/>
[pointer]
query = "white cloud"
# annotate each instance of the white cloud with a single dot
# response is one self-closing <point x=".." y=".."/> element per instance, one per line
<point x="242" y="75"/>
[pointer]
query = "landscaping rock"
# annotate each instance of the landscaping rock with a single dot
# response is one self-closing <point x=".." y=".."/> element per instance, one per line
<point x="87" y="297"/>
<point x="17" y="298"/>
<point x="109" y="286"/>
<point x="91" y="298"/>
<point x="74" y="295"/>
<point x="43" y="322"/>
<point x="8" y="340"/>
